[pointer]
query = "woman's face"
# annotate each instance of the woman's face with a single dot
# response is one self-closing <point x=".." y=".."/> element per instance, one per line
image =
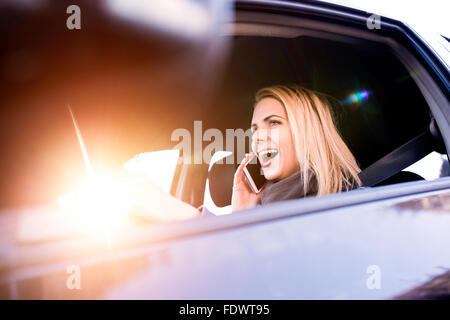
<point x="272" y="140"/>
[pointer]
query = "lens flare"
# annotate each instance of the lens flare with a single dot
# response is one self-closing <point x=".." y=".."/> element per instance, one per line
<point x="107" y="200"/>
<point x="101" y="201"/>
<point x="356" y="98"/>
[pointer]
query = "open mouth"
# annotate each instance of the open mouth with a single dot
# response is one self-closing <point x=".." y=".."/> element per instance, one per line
<point x="267" y="155"/>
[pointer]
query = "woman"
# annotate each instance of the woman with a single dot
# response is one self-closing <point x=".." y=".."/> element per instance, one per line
<point x="300" y="150"/>
<point x="309" y="156"/>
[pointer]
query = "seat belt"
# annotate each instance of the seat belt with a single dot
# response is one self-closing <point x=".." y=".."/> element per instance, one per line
<point x="397" y="160"/>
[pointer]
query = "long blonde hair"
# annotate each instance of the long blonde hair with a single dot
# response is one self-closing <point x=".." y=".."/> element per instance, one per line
<point x="319" y="148"/>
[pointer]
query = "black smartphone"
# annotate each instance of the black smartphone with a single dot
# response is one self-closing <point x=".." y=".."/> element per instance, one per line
<point x="255" y="177"/>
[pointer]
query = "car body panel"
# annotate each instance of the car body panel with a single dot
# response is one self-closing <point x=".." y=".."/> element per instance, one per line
<point x="323" y="254"/>
<point x="318" y="256"/>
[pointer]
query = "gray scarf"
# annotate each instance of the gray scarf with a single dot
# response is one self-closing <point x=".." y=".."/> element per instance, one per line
<point x="292" y="188"/>
<point x="288" y="188"/>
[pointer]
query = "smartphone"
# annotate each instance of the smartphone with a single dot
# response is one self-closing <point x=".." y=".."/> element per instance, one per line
<point x="255" y="177"/>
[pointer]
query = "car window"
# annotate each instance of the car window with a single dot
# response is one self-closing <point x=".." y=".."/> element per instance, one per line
<point x="373" y="92"/>
<point x="433" y="166"/>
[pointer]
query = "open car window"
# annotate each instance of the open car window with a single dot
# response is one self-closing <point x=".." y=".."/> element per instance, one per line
<point x="379" y="99"/>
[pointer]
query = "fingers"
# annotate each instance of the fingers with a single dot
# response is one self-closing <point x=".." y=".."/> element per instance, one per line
<point x="240" y="169"/>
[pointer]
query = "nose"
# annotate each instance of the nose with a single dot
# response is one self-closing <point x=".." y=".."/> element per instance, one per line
<point x="265" y="137"/>
<point x="260" y="135"/>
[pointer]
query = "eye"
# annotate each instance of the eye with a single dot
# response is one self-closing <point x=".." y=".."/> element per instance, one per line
<point x="274" y="122"/>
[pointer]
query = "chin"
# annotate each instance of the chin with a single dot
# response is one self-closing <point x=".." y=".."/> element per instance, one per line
<point x="273" y="172"/>
<point x="271" y="175"/>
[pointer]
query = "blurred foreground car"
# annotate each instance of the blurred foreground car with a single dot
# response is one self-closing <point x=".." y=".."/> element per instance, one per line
<point x="378" y="242"/>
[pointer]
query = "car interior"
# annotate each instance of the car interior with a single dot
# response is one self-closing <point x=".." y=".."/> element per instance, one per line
<point x="387" y="131"/>
<point x="125" y="103"/>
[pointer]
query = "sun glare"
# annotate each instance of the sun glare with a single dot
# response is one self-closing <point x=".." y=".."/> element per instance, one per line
<point x="106" y="200"/>
<point x="101" y="201"/>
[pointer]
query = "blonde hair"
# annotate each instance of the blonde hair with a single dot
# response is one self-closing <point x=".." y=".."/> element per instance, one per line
<point x="319" y="148"/>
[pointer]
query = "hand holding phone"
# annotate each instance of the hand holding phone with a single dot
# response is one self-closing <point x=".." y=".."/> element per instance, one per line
<point x="247" y="194"/>
<point x="254" y="174"/>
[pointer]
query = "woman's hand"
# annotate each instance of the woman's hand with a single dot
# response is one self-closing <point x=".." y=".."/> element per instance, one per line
<point x="243" y="195"/>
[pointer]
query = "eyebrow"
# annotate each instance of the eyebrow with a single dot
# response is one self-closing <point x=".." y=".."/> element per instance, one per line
<point x="267" y="118"/>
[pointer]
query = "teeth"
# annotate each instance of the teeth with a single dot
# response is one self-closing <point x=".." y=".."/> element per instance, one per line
<point x="268" y="154"/>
